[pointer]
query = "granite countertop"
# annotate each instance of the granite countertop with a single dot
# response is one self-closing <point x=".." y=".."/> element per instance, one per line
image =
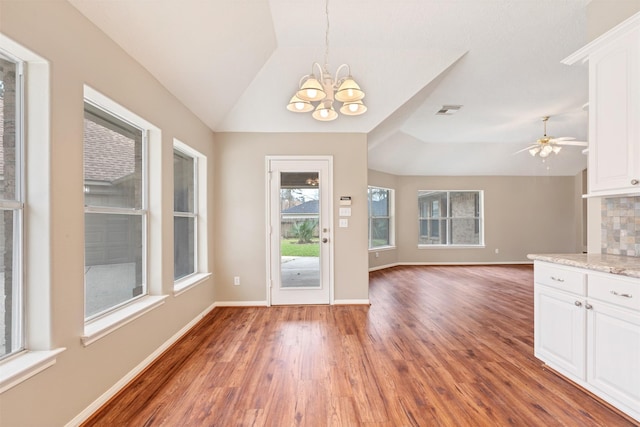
<point x="615" y="264"/>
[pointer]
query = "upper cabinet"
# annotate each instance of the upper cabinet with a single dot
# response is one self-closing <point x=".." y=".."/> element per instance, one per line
<point x="614" y="109"/>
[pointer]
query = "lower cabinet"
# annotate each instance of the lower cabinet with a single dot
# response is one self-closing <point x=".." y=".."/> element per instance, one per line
<point x="587" y="328"/>
<point x="613" y="353"/>
<point x="560" y="326"/>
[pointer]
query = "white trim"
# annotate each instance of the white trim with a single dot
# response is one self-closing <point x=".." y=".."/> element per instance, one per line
<point x="463" y="263"/>
<point x="383" y="267"/>
<point x="383" y="249"/>
<point x="96" y="404"/>
<point x="182" y="285"/>
<point x="103" y="326"/>
<point x="329" y="218"/>
<point x="583" y="53"/>
<point x="425" y="246"/>
<point x="25" y="365"/>
<point x="242" y="304"/>
<point x="352" y="302"/>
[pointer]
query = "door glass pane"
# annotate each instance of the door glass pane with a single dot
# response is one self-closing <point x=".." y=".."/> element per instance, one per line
<point x="299" y="233"/>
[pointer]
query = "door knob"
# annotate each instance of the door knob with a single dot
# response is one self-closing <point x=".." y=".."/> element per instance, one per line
<point x="325" y="240"/>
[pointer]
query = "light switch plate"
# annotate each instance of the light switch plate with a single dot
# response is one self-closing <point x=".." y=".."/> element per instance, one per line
<point x="345" y="211"/>
<point x="344" y="222"/>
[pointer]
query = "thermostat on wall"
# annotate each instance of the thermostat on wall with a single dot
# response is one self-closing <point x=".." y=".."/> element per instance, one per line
<point x="345" y="200"/>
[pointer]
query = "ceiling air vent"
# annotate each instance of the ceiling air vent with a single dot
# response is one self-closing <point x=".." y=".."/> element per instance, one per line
<point x="448" y="110"/>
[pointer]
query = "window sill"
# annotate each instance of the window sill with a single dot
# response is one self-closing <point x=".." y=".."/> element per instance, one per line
<point x="25" y="365"/>
<point x="451" y="246"/>
<point x="189" y="282"/>
<point x="103" y="326"/>
<point x="382" y="248"/>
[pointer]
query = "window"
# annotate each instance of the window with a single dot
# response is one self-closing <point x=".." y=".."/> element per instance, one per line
<point x="450" y="218"/>
<point x="115" y="211"/>
<point x="185" y="215"/>
<point x="11" y="208"/>
<point x="381" y="228"/>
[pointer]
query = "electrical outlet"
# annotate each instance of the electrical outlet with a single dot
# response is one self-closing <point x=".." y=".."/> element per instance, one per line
<point x="377" y="254"/>
<point x="497" y="250"/>
<point x="236" y="281"/>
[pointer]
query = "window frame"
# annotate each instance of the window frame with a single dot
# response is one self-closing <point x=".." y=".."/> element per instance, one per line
<point x="447" y="220"/>
<point x="390" y="217"/>
<point x="39" y="352"/>
<point x="201" y="272"/>
<point x="17" y="205"/>
<point x="179" y="148"/>
<point x="103" y="325"/>
<point x="142" y="212"/>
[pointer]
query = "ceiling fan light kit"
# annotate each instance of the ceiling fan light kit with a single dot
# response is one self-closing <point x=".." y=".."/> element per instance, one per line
<point x="548" y="144"/>
<point x="326" y="90"/>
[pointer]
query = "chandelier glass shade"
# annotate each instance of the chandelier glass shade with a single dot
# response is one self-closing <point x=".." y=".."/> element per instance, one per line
<point x="322" y="88"/>
<point x="327" y="94"/>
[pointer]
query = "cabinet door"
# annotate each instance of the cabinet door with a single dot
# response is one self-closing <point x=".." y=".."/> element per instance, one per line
<point x="559" y="331"/>
<point x="614" y="139"/>
<point x="614" y="353"/>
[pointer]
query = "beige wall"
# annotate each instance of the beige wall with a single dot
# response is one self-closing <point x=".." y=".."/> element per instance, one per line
<point x="602" y="15"/>
<point x="78" y="53"/>
<point x="240" y="211"/>
<point x="522" y="215"/>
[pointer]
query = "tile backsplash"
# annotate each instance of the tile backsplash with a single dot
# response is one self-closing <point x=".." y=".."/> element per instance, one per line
<point x="621" y="226"/>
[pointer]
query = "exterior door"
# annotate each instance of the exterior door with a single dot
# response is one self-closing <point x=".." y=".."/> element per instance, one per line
<point x="299" y="233"/>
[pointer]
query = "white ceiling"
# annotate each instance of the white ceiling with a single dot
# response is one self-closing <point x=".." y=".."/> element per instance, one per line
<point x="235" y="64"/>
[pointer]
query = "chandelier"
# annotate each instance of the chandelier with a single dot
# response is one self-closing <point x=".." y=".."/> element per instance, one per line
<point x="325" y="90"/>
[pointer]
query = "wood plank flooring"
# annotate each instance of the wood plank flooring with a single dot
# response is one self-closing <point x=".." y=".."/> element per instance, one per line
<point x="439" y="346"/>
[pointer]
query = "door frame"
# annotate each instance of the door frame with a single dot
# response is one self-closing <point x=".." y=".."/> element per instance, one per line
<point x="329" y="221"/>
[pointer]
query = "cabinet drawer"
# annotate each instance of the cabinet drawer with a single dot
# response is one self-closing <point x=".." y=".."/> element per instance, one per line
<point x="615" y="290"/>
<point x="566" y="279"/>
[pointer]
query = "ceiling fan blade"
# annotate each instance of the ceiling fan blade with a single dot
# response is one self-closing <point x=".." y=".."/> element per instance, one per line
<point x="576" y="143"/>
<point x="562" y="138"/>
<point x="526" y="149"/>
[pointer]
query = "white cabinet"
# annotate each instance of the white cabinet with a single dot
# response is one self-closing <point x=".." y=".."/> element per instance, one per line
<point x="613" y="328"/>
<point x="587" y="327"/>
<point x="614" y="116"/>
<point x="560" y="330"/>
<point x="614" y="109"/>
<point x="560" y="318"/>
<point x="613" y="354"/>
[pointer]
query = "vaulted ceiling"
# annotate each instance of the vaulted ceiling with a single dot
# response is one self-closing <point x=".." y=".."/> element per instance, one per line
<point x="235" y="64"/>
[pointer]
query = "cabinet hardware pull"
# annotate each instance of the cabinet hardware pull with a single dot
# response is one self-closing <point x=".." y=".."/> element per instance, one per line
<point x="557" y="279"/>
<point x="588" y="306"/>
<point x="578" y="304"/>
<point x="622" y="295"/>
<point x="634" y="182"/>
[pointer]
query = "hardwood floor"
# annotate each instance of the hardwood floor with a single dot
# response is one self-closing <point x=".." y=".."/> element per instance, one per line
<point x="439" y="346"/>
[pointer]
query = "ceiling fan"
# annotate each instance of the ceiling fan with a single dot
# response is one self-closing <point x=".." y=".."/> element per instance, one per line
<point x="549" y="144"/>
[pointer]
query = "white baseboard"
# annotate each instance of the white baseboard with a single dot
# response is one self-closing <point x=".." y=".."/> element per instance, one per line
<point x="351" y="302"/>
<point x="97" y="404"/>
<point x="241" y="304"/>
<point x="382" y="267"/>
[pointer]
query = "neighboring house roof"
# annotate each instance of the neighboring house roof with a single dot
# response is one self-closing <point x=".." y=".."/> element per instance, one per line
<point x="108" y="155"/>
<point x="310" y="207"/>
